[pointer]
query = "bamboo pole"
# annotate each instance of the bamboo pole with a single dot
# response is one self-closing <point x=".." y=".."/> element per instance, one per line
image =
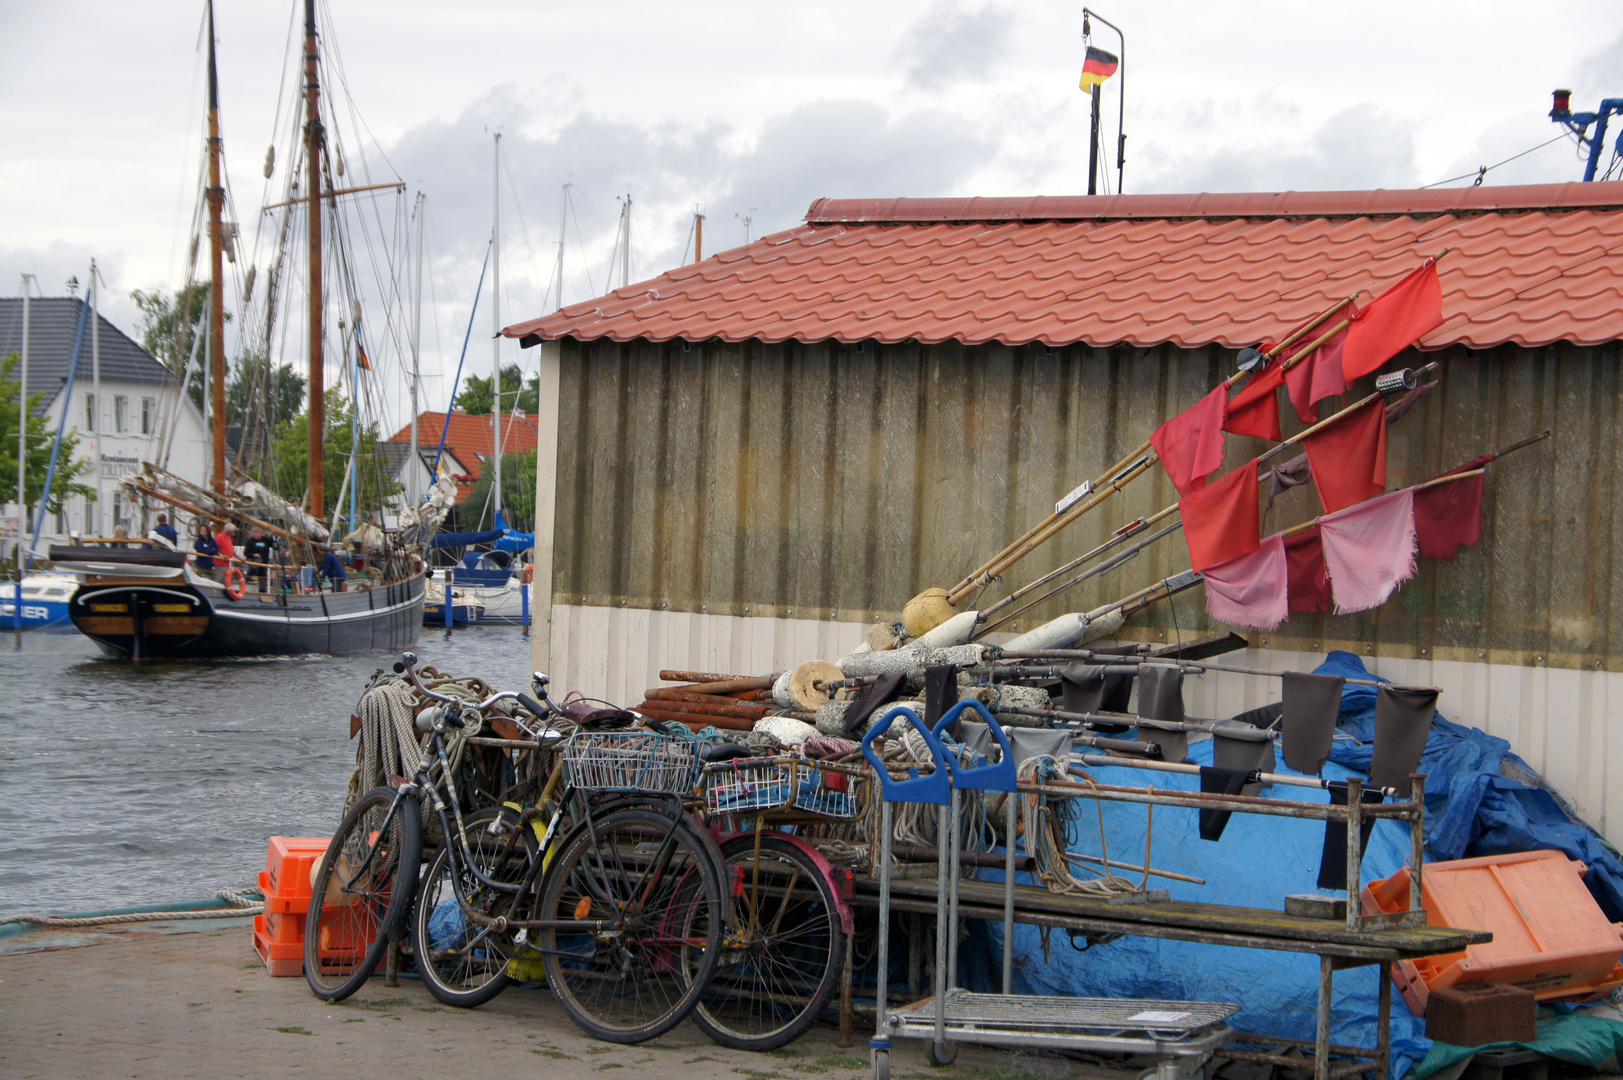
<point x="1051" y="525"/>
<point x="728" y="686"/>
<point x="1046" y="528"/>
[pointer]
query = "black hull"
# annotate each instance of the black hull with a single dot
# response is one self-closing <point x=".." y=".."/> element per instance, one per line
<point x="168" y="619"/>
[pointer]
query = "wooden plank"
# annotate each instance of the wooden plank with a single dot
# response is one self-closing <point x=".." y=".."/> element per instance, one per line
<point x="1210" y="918"/>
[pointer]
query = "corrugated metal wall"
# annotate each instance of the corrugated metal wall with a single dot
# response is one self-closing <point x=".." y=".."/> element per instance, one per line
<point x="836" y="481"/>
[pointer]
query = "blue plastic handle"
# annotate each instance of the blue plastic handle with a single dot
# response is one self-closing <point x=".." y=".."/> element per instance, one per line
<point x="934" y="788"/>
<point x="989" y="777"/>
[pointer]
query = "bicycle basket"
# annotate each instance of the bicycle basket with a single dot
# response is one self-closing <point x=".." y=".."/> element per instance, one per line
<point x="631" y="761"/>
<point x="798" y="786"/>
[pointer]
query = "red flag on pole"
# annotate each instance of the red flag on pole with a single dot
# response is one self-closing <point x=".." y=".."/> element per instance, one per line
<point x="1221" y="522"/>
<point x="1255" y="409"/>
<point x="1348" y="458"/>
<point x="1393" y="321"/>
<point x="1190" y="445"/>
<point x="1317" y="377"/>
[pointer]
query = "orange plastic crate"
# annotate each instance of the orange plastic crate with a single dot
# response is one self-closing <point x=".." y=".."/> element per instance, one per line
<point x="1549" y="935"/>
<point x="281" y="929"/>
<point x="281" y="958"/>
<point x="285" y="880"/>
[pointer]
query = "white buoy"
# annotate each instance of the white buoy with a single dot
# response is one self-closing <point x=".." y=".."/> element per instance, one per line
<point x="1067" y="630"/>
<point x="955" y="631"/>
<point x="884" y="663"/>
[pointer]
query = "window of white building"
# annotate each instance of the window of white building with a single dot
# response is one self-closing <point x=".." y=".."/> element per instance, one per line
<point x="121" y="414"/>
<point x="90" y="412"/>
<point x="149" y="415"/>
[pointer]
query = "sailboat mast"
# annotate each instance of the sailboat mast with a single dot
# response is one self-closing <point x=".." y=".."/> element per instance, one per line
<point x="416" y="354"/>
<point x="216" y="199"/>
<point x="563" y="217"/>
<point x="496" y="315"/>
<point x="312" y="153"/>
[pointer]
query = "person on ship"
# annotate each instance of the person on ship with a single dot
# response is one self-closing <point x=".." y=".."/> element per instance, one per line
<point x="228" y="549"/>
<point x="259" y="552"/>
<point x="164" y="534"/>
<point x="205" y="549"/>
<point x="332" y="568"/>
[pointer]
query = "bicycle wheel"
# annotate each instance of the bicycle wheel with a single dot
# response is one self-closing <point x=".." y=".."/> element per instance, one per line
<point x="785" y="955"/>
<point x="361" y="890"/>
<point x="659" y="891"/>
<point x="462" y="962"/>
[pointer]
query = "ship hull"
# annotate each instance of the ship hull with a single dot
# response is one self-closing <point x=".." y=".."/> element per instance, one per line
<point x="172" y="619"/>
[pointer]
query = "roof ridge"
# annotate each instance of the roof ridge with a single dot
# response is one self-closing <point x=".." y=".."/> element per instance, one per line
<point x="1381" y="202"/>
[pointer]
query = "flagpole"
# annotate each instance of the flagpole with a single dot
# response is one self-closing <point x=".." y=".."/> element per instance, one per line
<point x="1093" y="146"/>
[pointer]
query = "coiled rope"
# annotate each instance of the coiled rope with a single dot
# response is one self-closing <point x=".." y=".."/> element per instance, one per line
<point x="243" y="907"/>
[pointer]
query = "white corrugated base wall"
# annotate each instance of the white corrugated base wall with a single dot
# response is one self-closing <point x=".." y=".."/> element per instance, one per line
<point x="1559" y="720"/>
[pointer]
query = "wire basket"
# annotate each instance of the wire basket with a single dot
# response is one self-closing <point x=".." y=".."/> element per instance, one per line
<point x="786" y="786"/>
<point x="631" y="761"/>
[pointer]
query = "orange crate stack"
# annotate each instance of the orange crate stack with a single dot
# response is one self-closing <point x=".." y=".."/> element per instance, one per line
<point x="285" y="881"/>
<point x="1549" y="935"/>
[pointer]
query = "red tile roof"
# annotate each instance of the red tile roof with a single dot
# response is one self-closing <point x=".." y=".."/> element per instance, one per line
<point x="469" y="439"/>
<point x="1529" y="265"/>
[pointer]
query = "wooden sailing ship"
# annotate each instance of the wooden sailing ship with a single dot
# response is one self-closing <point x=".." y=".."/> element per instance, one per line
<point x="145" y="602"/>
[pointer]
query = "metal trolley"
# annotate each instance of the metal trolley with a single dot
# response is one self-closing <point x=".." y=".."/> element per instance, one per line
<point x="1180" y="1035"/>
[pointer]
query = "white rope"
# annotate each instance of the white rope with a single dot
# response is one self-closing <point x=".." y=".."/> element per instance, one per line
<point x="244" y="907"/>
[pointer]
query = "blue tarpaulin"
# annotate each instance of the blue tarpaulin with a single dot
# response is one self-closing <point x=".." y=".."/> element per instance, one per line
<point x="1472" y="807"/>
<point x="489" y="536"/>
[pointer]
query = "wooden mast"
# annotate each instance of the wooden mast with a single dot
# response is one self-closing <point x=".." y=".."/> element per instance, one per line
<point x="216" y="201"/>
<point x="312" y="152"/>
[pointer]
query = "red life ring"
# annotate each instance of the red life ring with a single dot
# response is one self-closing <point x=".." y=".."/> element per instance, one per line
<point x="235" y="583"/>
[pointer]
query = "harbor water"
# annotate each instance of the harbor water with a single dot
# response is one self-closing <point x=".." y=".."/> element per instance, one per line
<point x="127" y="785"/>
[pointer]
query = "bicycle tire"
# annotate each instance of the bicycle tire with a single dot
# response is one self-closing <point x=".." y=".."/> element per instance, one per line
<point x="777" y="972"/>
<point x="463" y="963"/>
<point x="640" y="978"/>
<point x="350" y="921"/>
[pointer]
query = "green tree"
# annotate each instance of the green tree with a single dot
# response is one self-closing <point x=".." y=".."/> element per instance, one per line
<point x="40" y="439"/>
<point x="244" y="394"/>
<point x="518" y="495"/>
<point x="169" y="325"/>
<point x="529" y="399"/>
<point x="476" y="398"/>
<point x="290" y="473"/>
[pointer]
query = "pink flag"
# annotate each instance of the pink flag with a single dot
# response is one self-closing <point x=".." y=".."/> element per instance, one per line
<point x="1250" y="590"/>
<point x="1319" y="376"/>
<point x="1369" y="549"/>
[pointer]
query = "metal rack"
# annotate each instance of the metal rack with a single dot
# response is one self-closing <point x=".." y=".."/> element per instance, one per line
<point x="1179" y="1035"/>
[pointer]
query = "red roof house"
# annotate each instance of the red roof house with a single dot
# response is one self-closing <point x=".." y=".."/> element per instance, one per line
<point x="470" y="440"/>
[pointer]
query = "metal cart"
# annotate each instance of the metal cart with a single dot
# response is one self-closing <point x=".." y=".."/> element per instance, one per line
<point x="1180" y="1035"/>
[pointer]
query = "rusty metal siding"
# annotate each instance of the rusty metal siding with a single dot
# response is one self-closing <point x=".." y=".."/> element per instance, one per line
<point x="828" y="481"/>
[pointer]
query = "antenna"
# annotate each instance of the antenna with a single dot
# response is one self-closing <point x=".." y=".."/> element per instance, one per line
<point x="747" y="217"/>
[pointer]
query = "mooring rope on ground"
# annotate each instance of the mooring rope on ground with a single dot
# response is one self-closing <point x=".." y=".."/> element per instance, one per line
<point x="244" y="907"/>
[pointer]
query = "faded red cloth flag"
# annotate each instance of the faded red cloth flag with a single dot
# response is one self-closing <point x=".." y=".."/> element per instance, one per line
<point x="1318" y="377"/>
<point x="1255" y="409"/>
<point x="1309" y="579"/>
<point x="1369" y="550"/>
<point x="1448" y="516"/>
<point x="1221" y="522"/>
<point x="1190" y="445"/>
<point x="1348" y="458"/>
<point x="1250" y="590"/>
<point x="1393" y="321"/>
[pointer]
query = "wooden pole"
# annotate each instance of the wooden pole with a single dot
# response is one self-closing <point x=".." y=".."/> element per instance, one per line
<point x="216" y="201"/>
<point x="312" y="151"/>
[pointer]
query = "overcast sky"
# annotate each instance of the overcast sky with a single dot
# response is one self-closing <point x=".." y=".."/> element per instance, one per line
<point x="739" y="109"/>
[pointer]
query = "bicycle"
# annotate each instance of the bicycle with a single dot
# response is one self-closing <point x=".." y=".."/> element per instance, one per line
<point x="626" y="910"/>
<point x="791" y="924"/>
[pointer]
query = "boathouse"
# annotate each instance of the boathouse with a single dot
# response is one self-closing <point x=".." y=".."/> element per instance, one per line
<point x="759" y="455"/>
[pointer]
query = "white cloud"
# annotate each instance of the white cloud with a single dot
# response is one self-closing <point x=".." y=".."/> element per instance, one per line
<point x="950" y="43"/>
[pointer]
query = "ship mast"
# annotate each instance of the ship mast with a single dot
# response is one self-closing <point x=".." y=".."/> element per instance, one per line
<point x="312" y="152"/>
<point x="216" y="201"/>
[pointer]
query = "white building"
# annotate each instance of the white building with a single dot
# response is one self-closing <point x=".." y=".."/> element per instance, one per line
<point x="124" y="405"/>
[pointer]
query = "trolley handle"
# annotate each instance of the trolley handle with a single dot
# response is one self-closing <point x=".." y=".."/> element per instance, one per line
<point x="1003" y="776"/>
<point x="933" y="788"/>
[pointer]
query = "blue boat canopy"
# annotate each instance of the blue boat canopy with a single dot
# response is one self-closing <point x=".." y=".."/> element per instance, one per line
<point x="501" y="537"/>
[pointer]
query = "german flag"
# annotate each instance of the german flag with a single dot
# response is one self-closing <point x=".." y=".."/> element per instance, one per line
<point x="361" y="358"/>
<point x="1098" y="67"/>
